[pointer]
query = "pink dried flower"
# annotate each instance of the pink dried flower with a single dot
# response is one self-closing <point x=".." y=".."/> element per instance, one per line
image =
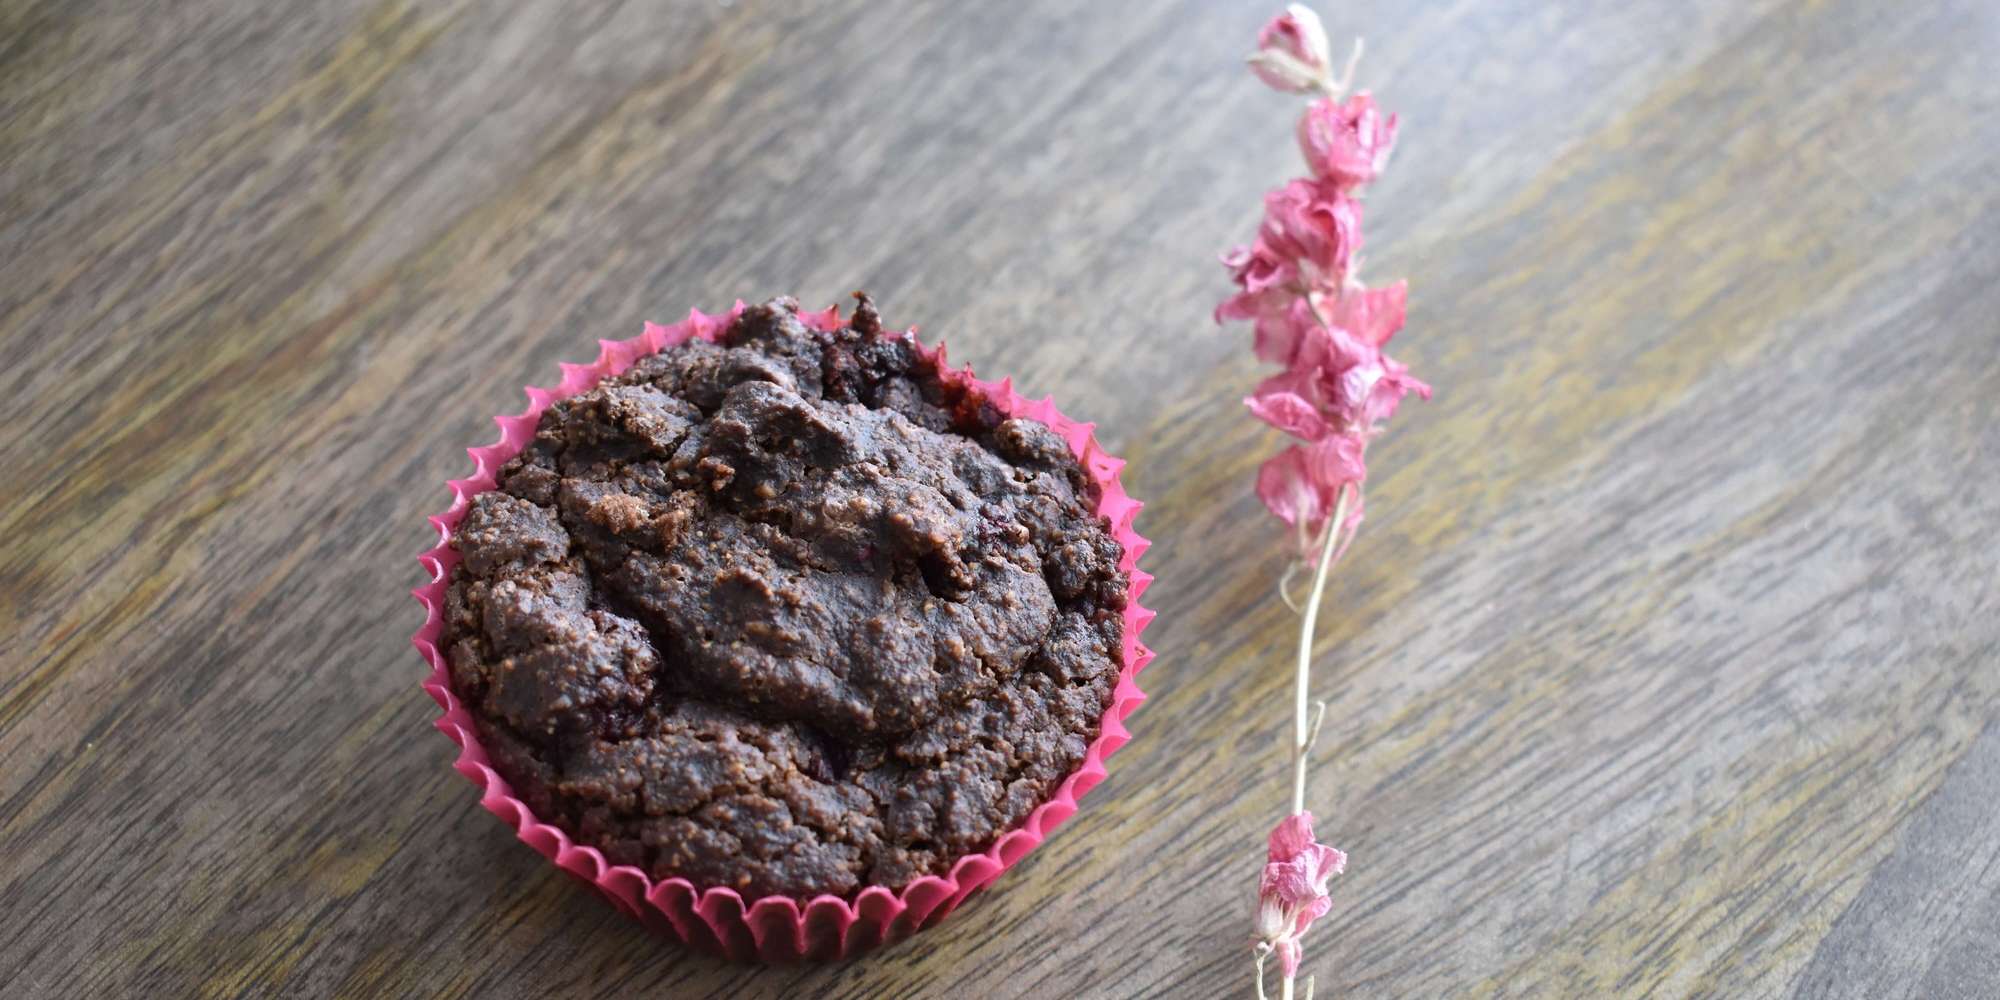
<point x="1292" y="53"/>
<point x="1346" y="381"/>
<point x="1346" y="142"/>
<point x="1292" y="839"/>
<point x="1305" y="245"/>
<point x="1315" y="227"/>
<point x="1285" y="323"/>
<point x="1292" y="893"/>
<point x="1302" y="484"/>
<point x="1264" y="279"/>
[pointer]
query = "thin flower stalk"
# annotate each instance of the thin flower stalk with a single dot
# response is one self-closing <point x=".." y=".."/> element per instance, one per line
<point x="1304" y="732"/>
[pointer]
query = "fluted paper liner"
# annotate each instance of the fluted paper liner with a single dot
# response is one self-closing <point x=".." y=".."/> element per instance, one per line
<point x="780" y="928"/>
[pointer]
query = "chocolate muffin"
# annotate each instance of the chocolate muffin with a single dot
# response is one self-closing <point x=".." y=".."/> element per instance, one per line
<point x="786" y="612"/>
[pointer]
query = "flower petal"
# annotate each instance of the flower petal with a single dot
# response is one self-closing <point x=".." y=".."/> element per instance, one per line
<point x="1336" y="461"/>
<point x="1288" y="492"/>
<point x="1371" y="315"/>
<point x="1291" y="837"/>
<point x="1292" y="882"/>
<point x="1280" y="332"/>
<point x="1330" y="353"/>
<point x="1326" y="863"/>
<point x="1308" y="913"/>
<point x="1289" y="402"/>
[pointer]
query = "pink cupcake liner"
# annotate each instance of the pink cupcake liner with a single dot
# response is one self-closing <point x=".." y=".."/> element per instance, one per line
<point x="718" y="919"/>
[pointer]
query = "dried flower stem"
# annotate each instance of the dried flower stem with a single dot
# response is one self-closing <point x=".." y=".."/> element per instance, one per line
<point x="1335" y="88"/>
<point x="1286" y="993"/>
<point x="1303" y="730"/>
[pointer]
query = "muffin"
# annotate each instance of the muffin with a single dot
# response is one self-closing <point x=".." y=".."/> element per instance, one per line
<point x="789" y="612"/>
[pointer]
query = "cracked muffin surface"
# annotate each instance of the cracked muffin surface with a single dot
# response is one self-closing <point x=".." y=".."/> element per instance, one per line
<point x="786" y="612"/>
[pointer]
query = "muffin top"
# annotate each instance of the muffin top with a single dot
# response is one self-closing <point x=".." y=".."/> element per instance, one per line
<point x="786" y="612"/>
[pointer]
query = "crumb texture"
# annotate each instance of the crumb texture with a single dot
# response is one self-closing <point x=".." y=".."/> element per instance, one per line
<point x="786" y="613"/>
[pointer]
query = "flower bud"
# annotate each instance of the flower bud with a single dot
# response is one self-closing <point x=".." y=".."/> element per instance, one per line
<point x="1292" y="53"/>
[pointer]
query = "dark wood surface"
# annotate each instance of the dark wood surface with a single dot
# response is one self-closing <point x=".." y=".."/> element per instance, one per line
<point x="1668" y="663"/>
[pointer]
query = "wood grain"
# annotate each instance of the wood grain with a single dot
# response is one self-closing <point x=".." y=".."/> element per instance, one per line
<point x="1669" y="663"/>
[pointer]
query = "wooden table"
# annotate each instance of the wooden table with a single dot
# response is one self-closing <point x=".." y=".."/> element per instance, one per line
<point x="1668" y="663"/>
